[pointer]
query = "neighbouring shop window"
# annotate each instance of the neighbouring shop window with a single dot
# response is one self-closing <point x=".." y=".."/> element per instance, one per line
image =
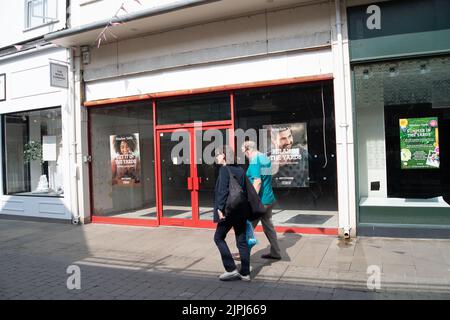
<point x="211" y="107"/>
<point x="33" y="153"/>
<point x="403" y="121"/>
<point x="299" y="138"/>
<point x="123" y="174"/>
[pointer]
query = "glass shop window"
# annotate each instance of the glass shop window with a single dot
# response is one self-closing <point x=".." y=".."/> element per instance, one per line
<point x="33" y="153"/>
<point x="298" y="135"/>
<point x="403" y="118"/>
<point x="209" y="107"/>
<point x="123" y="166"/>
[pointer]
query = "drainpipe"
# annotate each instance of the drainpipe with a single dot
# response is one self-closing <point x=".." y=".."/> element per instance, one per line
<point x="74" y="75"/>
<point x="344" y="222"/>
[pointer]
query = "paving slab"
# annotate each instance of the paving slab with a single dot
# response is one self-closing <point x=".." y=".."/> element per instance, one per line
<point x="119" y="262"/>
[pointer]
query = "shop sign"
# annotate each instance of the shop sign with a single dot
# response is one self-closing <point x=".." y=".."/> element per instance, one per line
<point x="59" y="75"/>
<point x="419" y="143"/>
<point x="125" y="160"/>
<point x="289" y="155"/>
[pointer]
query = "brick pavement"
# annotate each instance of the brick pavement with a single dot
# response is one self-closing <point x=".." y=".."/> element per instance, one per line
<point x="119" y="262"/>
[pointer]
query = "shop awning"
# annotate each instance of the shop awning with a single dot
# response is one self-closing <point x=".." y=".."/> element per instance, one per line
<point x="161" y="18"/>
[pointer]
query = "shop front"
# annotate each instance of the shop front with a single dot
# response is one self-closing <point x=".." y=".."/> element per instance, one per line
<point x="157" y="97"/>
<point x="153" y="159"/>
<point x="402" y="105"/>
<point x="35" y="121"/>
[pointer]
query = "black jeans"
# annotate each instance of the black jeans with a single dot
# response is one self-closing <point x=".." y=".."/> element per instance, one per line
<point x="239" y="227"/>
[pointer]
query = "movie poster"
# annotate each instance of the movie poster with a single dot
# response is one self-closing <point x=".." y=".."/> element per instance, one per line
<point x="288" y="153"/>
<point x="125" y="159"/>
<point x="419" y="143"/>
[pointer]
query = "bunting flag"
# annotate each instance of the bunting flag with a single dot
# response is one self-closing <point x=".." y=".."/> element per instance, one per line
<point x="111" y="33"/>
<point x="18" y="47"/>
<point x="102" y="34"/>
<point x="122" y="7"/>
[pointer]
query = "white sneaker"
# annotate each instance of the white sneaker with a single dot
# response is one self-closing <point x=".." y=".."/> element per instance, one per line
<point x="226" y="276"/>
<point x="245" y="278"/>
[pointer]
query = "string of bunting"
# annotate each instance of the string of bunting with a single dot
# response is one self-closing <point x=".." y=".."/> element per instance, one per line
<point x="106" y="29"/>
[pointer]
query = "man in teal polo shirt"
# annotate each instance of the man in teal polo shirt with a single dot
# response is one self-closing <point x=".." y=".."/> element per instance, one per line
<point x="259" y="173"/>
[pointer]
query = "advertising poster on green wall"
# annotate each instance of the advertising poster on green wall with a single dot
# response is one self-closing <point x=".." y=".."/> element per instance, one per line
<point x="419" y="143"/>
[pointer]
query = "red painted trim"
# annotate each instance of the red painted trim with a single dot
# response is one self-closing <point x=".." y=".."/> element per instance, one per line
<point x="125" y="221"/>
<point x="205" y="224"/>
<point x="194" y="221"/>
<point x="156" y="161"/>
<point x="233" y="123"/>
<point x="171" y="127"/>
<point x="158" y="177"/>
<point x="238" y="86"/>
<point x="96" y="103"/>
<point x="194" y="174"/>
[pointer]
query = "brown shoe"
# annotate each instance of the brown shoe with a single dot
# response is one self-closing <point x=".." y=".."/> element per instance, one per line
<point x="236" y="256"/>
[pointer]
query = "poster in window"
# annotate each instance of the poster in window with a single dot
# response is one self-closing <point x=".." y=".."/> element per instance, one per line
<point x="125" y="159"/>
<point x="419" y="143"/>
<point x="289" y="155"/>
<point x="49" y="148"/>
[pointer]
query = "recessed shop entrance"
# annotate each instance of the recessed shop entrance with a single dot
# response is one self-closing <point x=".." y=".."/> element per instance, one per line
<point x="185" y="174"/>
<point x="153" y="158"/>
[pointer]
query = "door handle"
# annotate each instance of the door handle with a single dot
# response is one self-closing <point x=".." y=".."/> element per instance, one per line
<point x="196" y="183"/>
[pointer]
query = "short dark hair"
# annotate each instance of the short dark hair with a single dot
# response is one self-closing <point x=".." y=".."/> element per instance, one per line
<point x="228" y="152"/>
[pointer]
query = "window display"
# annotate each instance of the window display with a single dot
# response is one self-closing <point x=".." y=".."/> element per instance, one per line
<point x="123" y="167"/>
<point x="300" y="130"/>
<point x="33" y="153"/>
<point x="403" y="119"/>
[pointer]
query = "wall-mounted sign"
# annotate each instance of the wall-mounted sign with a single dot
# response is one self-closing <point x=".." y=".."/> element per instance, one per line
<point x="289" y="155"/>
<point x="125" y="159"/>
<point x="59" y="75"/>
<point x="2" y="87"/>
<point x="419" y="143"/>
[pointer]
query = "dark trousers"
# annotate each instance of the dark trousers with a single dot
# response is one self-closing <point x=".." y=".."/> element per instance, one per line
<point x="239" y="227"/>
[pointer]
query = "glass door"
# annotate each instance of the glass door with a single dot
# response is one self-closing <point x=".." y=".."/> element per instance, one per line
<point x="207" y="172"/>
<point x="187" y="174"/>
<point x="176" y="182"/>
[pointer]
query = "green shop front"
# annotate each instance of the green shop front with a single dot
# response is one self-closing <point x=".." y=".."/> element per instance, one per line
<point x="400" y="62"/>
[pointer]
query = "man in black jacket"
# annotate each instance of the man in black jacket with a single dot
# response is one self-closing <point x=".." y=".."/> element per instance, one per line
<point x="224" y="224"/>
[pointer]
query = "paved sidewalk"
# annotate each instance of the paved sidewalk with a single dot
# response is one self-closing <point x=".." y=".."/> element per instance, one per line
<point x="119" y="262"/>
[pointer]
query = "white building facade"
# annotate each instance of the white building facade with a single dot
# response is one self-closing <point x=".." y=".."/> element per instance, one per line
<point x="35" y="112"/>
<point x="95" y="96"/>
<point x="150" y="68"/>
